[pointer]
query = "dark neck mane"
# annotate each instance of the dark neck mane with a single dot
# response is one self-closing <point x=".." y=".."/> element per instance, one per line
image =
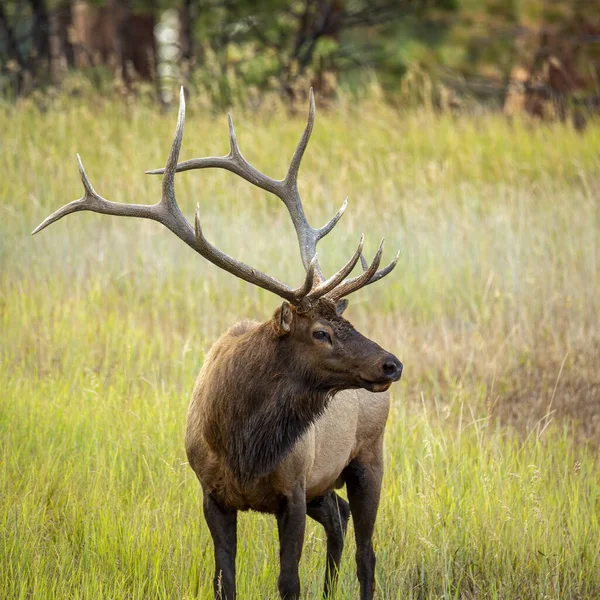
<point x="269" y="433"/>
<point x="271" y="407"/>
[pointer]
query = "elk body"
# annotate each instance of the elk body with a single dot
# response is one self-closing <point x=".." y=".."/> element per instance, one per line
<point x="286" y="411"/>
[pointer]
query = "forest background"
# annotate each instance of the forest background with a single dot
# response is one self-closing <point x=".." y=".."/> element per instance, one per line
<point x="444" y="52"/>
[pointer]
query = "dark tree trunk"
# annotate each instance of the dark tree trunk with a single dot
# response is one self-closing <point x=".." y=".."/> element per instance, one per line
<point x="13" y="52"/>
<point x="41" y="32"/>
<point x="320" y="18"/>
<point x="120" y="15"/>
<point x="63" y="24"/>
<point x="187" y="17"/>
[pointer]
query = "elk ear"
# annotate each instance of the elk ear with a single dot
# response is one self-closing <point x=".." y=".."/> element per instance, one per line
<point x="340" y="307"/>
<point x="283" y="319"/>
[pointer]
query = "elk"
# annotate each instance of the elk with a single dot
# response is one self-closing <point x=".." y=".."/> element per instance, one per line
<point x="286" y="411"/>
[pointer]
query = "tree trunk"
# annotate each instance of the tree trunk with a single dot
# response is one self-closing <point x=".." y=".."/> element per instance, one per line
<point x="41" y="32"/>
<point x="13" y="52"/>
<point x="64" y="22"/>
<point x="119" y="14"/>
<point x="187" y="17"/>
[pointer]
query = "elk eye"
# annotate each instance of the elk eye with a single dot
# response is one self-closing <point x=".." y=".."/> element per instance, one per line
<point x="321" y="336"/>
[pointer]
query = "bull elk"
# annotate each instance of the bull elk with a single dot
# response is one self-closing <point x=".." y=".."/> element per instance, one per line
<point x="285" y="411"/>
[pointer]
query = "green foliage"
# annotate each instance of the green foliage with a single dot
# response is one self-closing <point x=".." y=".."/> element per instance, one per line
<point x="105" y="322"/>
<point x="241" y="49"/>
<point x="490" y="37"/>
<point x="272" y="44"/>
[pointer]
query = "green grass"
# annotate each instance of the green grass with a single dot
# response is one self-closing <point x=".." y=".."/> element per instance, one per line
<point x="492" y="483"/>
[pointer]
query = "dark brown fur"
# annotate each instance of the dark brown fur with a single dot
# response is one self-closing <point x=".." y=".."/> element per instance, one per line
<point x="261" y="388"/>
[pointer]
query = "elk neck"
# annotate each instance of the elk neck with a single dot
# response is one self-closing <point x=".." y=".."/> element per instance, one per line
<point x="273" y="405"/>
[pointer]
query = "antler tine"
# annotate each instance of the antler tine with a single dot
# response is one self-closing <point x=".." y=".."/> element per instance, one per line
<point x="292" y="174"/>
<point x="357" y="282"/>
<point x="71" y="207"/>
<point x="385" y="271"/>
<point x="285" y="189"/>
<point x="176" y="222"/>
<point x="369" y="276"/>
<point x="309" y="281"/>
<point x="323" y="231"/>
<point x="363" y="262"/>
<point x="234" y="149"/>
<point x="168" y="184"/>
<point x="327" y="286"/>
<point x="96" y="203"/>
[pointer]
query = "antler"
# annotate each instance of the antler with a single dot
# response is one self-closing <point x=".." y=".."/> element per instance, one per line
<point x="167" y="212"/>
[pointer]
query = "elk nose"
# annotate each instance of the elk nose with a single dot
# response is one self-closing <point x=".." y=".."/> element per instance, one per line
<point x="392" y="368"/>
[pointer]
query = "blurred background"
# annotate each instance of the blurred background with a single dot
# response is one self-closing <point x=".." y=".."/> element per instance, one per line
<point x="538" y="56"/>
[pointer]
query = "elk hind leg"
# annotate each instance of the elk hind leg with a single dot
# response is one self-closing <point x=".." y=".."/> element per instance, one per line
<point x="333" y="513"/>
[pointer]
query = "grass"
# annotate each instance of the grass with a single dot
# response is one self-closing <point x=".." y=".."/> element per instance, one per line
<point x="492" y="484"/>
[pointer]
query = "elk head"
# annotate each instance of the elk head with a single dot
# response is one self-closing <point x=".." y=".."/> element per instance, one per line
<point x="309" y="323"/>
<point x="334" y="356"/>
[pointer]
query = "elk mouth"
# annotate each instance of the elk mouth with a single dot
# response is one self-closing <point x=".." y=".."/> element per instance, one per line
<point x="375" y="386"/>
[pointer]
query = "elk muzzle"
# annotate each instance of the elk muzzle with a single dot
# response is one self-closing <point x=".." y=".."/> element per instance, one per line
<point x="387" y="370"/>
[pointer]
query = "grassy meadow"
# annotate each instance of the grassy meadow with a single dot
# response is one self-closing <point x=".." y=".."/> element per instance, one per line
<point x="492" y="486"/>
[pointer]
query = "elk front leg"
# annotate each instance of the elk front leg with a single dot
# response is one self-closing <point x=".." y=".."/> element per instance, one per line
<point x="333" y="513"/>
<point x="291" y="522"/>
<point x="222" y="524"/>
<point x="363" y="481"/>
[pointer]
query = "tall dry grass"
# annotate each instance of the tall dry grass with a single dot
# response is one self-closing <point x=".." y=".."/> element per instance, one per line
<point x="494" y="309"/>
